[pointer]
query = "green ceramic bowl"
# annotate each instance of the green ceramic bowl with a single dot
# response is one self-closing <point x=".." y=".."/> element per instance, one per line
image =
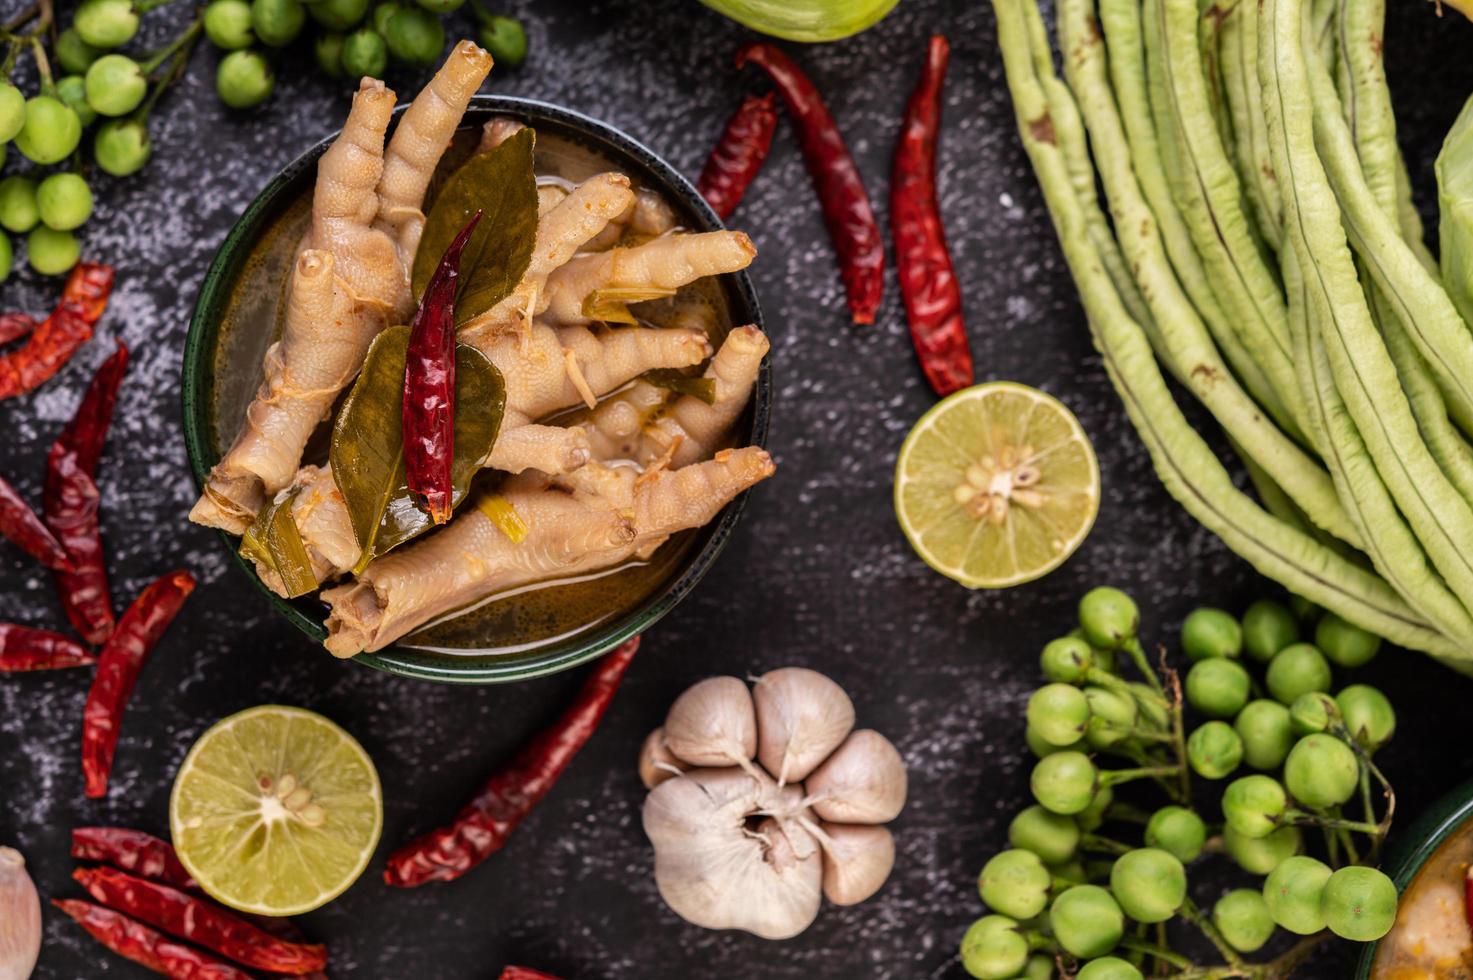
<point x="1410" y="849"/>
<point x="207" y="374"/>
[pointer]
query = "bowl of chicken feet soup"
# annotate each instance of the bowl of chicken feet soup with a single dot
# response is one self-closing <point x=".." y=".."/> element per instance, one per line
<point x="474" y="389"/>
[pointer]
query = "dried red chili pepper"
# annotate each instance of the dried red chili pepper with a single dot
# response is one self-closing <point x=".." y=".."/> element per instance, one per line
<point x="200" y="921"/>
<point x="1468" y="897"/>
<point x="56" y="339"/>
<point x="14" y="326"/>
<point x="933" y="298"/>
<point x="132" y="850"/>
<point x="130" y="938"/>
<point x="71" y="503"/>
<point x="21" y="525"/>
<point x="525" y="973"/>
<point x="739" y="154"/>
<point x="69" y="508"/>
<point x="429" y="384"/>
<point x="483" y="825"/>
<point x="846" y="208"/>
<point x="87" y="431"/>
<point x="23" y="648"/>
<point x="117" y="671"/>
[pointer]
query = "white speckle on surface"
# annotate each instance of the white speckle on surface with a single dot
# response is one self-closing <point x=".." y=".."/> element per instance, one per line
<point x="818" y="573"/>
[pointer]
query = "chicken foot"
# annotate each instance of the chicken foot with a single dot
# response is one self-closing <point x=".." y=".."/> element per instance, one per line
<point x="320" y="351"/>
<point x="351" y="279"/>
<point x="601" y="521"/>
<point x="538" y="384"/>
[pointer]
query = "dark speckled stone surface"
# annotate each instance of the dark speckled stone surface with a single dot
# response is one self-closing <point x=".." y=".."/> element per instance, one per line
<point x="818" y="575"/>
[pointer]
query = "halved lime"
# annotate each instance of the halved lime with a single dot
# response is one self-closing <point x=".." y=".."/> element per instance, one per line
<point x="276" y="810"/>
<point x="996" y="485"/>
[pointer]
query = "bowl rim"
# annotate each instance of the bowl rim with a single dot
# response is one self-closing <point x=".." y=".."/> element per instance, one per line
<point x="471" y="669"/>
<point x="1423" y="837"/>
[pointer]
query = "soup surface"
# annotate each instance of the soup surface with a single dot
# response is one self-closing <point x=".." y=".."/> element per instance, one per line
<point x="525" y="619"/>
<point x="1431" y="939"/>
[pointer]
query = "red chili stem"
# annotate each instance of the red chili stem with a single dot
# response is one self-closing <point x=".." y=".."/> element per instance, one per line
<point x="846" y="207"/>
<point x="14" y="326"/>
<point x="933" y="297"/>
<point x="200" y="921"/>
<point x="71" y="501"/>
<point x="738" y="154"/>
<point x="24" y="649"/>
<point x="429" y="384"/>
<point x="132" y="939"/>
<point x="118" y="667"/>
<point x="21" y="525"/>
<point x="53" y="342"/>
<point x="132" y="850"/>
<point x="484" y="824"/>
<point x="525" y="973"/>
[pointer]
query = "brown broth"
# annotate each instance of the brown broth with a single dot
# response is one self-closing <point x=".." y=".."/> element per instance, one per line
<point x="526" y="618"/>
<point x="1431" y="939"/>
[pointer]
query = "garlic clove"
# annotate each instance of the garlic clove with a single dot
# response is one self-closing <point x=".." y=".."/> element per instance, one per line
<point x="656" y="762"/>
<point x="721" y="863"/>
<point x="20" y="918"/>
<point x="713" y="724"/>
<point x="862" y="782"/>
<point x="802" y="716"/>
<point x="857" y="860"/>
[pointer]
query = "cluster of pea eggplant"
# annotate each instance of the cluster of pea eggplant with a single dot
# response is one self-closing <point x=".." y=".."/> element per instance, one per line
<point x="351" y="40"/>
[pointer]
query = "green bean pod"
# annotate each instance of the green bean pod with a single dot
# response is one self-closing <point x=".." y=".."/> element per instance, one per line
<point x="1417" y="297"/>
<point x="1238" y="59"/>
<point x="1362" y="375"/>
<point x="1126" y="56"/>
<point x="1181" y="338"/>
<point x="1187" y="465"/>
<point x="1207" y="190"/>
<point x="1366" y="104"/>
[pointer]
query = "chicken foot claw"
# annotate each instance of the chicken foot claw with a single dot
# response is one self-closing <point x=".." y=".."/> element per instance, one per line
<point x="604" y="518"/>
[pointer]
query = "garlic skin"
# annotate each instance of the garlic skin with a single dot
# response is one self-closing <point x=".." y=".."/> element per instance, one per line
<point x="715" y="872"/>
<point x="858" y="859"/>
<point x="802" y="716"/>
<point x="713" y="724"/>
<point x="656" y="762"/>
<point x="757" y="845"/>
<point x="20" y="918"/>
<point x="862" y="782"/>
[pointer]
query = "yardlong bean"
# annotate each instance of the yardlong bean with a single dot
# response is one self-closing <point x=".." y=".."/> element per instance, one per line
<point x="1339" y="319"/>
<point x="1186" y="464"/>
<point x="1184" y="343"/>
<point x="1238" y="61"/>
<point x="1366" y="104"/>
<point x="1412" y="292"/>
<point x="1126" y="57"/>
<point x="1207" y="190"/>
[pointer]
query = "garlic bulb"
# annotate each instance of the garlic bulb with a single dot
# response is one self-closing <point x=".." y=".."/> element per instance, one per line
<point x="656" y="763"/>
<point x="713" y="724"/>
<point x="737" y="848"/>
<point x="857" y="860"/>
<point x="20" y="918"/>
<point x="862" y="782"/>
<point x="716" y="871"/>
<point x="802" y="716"/>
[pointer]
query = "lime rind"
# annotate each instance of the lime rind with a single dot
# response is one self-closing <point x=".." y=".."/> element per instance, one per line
<point x="960" y="430"/>
<point x="275" y="867"/>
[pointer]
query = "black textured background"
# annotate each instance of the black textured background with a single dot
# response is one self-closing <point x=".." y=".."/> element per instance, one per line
<point x="818" y="575"/>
